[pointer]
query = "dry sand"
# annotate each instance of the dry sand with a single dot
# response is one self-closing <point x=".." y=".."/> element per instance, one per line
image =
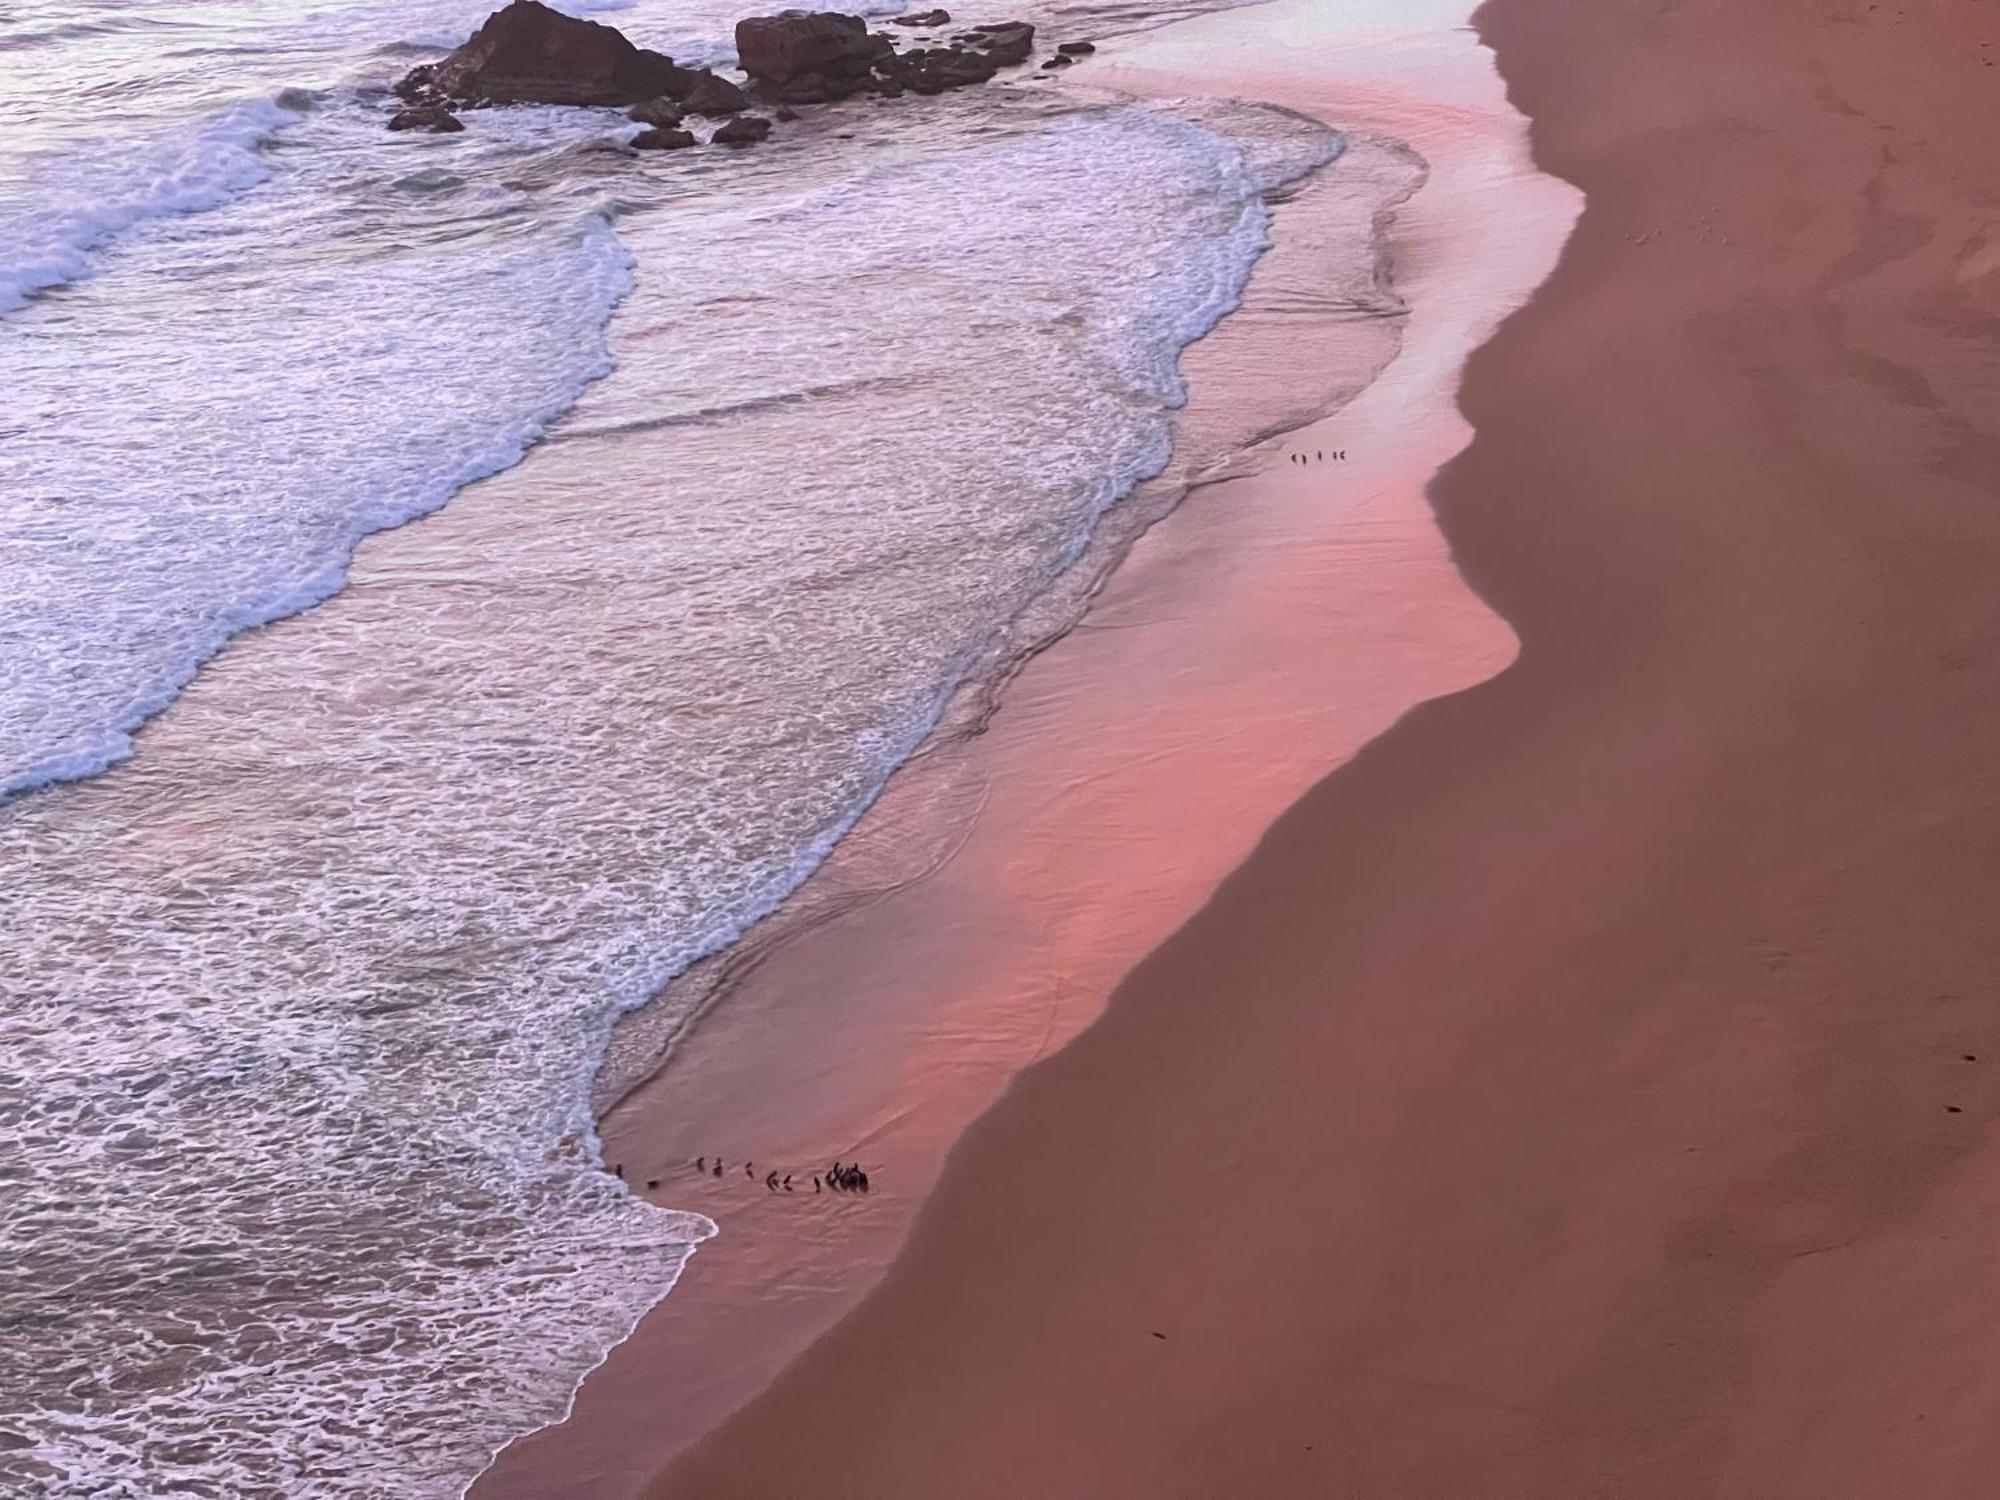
<point x="1589" y="1089"/>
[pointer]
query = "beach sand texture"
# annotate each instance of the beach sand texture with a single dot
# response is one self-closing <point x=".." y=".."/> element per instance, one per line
<point x="1589" y="1088"/>
<point x="984" y="910"/>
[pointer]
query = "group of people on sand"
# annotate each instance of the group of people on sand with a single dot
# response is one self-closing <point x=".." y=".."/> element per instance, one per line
<point x="847" y="1178"/>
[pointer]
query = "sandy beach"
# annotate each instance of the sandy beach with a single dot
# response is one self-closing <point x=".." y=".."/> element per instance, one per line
<point x="1586" y="1089"/>
<point x="981" y="915"/>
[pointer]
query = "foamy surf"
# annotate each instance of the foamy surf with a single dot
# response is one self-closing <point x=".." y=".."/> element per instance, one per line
<point x="49" y="244"/>
<point x="306" y="998"/>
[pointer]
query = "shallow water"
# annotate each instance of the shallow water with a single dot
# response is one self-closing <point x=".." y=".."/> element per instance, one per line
<point x="302" y="999"/>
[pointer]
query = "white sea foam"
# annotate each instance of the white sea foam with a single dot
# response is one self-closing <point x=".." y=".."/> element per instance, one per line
<point x="302" y="1001"/>
<point x="47" y="240"/>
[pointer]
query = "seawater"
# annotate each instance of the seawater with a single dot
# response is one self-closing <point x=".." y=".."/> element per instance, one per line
<point x="735" y="466"/>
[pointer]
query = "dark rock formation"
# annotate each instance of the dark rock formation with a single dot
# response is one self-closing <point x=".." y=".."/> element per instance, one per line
<point x="784" y="112"/>
<point x="932" y="70"/>
<point x="434" y="118"/>
<point x="711" y="95"/>
<point x="775" y="50"/>
<point x="744" y="130"/>
<point x="661" y="113"/>
<point x="1077" y="49"/>
<point x="530" y="54"/>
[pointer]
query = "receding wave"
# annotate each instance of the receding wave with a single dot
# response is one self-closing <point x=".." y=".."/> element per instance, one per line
<point x="47" y="240"/>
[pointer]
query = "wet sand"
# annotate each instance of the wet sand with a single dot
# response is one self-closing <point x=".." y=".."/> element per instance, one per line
<point x="983" y="912"/>
<point x="1586" y="1090"/>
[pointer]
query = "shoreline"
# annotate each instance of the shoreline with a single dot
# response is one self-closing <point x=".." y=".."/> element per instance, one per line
<point x="1014" y="939"/>
<point x="1584" y="1089"/>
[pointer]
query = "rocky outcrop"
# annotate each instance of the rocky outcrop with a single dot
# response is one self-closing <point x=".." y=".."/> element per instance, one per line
<point x="806" y="57"/>
<point x="530" y="54"/>
<point x="932" y="70"/>
<point x="434" y="118"/>
<point x="744" y="130"/>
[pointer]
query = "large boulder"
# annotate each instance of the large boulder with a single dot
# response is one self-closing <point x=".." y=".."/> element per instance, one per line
<point x="530" y="54"/>
<point x="774" y="50"/>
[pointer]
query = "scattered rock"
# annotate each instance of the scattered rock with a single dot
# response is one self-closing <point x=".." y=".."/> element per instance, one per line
<point x="661" y="113"/>
<point x="714" y="96"/>
<point x="530" y="54"/>
<point x="784" y="112"/>
<point x="933" y="70"/>
<point x="744" y="130"/>
<point x="434" y="118"/>
<point x="527" y="53"/>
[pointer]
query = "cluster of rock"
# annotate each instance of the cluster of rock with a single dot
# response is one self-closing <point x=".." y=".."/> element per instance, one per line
<point x="530" y="54"/>
<point x="815" y="58"/>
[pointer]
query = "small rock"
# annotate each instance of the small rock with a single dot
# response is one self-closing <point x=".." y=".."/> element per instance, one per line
<point x="434" y="118"/>
<point x="715" y="96"/>
<point x="924" y="18"/>
<point x="662" y="113"/>
<point x="1008" y="43"/>
<point x="662" y="140"/>
<point x="1077" y="49"/>
<point x="784" y="112"/>
<point x="744" y="130"/>
<point x="1058" y="61"/>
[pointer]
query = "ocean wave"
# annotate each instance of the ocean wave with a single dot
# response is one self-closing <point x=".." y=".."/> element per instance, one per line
<point x="71" y="214"/>
<point x="142" y="571"/>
